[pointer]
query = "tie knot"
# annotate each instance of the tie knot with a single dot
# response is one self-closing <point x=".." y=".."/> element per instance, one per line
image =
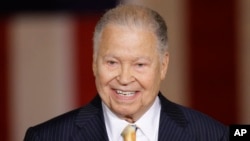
<point x="128" y="133"/>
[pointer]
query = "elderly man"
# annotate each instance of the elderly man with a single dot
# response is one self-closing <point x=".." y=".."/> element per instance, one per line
<point x="129" y="62"/>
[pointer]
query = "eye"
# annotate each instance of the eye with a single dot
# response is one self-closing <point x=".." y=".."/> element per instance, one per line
<point x="140" y="65"/>
<point x="111" y="62"/>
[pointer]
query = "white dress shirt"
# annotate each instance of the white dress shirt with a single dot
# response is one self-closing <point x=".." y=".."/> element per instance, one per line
<point x="148" y="124"/>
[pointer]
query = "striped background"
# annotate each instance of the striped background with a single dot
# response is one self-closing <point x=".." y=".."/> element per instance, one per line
<point x="46" y="58"/>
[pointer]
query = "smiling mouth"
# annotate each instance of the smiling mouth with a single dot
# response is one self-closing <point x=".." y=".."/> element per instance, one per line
<point x="125" y="93"/>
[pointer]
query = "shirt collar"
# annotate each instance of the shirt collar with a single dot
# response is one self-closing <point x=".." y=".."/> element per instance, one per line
<point x="148" y="123"/>
<point x="114" y="124"/>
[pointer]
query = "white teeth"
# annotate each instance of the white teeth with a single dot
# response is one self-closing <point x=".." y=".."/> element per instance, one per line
<point x="125" y="93"/>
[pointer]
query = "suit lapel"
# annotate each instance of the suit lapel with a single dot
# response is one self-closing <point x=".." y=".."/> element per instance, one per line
<point x="172" y="122"/>
<point x="91" y="124"/>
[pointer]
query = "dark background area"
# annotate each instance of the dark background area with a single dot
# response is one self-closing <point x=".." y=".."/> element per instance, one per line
<point x="13" y="6"/>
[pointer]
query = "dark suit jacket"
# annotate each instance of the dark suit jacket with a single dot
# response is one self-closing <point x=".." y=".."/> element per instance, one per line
<point x="177" y="123"/>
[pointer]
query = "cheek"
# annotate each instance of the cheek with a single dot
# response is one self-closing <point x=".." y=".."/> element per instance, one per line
<point x="104" y="75"/>
<point x="149" y="79"/>
<point x="151" y="85"/>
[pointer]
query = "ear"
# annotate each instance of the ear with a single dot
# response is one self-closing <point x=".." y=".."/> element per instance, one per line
<point x="94" y="65"/>
<point x="164" y="65"/>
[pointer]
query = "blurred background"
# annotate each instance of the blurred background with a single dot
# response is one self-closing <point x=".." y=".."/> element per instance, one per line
<point x="46" y="58"/>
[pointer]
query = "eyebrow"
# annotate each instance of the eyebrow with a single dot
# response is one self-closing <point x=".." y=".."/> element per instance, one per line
<point x="143" y="58"/>
<point x="136" y="58"/>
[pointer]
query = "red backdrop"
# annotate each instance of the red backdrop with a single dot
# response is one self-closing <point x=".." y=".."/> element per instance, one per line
<point x="212" y="43"/>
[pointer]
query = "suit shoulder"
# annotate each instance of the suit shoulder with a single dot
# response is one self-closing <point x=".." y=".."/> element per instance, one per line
<point x="197" y="117"/>
<point x="189" y="115"/>
<point x="65" y="126"/>
<point x="60" y="120"/>
<point x="202" y="124"/>
<point x="205" y="125"/>
<point x="196" y="123"/>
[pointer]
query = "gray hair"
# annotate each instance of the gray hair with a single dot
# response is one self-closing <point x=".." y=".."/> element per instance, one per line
<point x="134" y="16"/>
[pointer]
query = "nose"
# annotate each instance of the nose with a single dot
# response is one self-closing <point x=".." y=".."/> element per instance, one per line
<point x="125" y="76"/>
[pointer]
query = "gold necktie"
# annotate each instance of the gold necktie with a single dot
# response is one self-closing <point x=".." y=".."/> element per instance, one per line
<point x="128" y="133"/>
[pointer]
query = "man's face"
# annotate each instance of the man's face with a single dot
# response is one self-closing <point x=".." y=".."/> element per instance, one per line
<point x="128" y="70"/>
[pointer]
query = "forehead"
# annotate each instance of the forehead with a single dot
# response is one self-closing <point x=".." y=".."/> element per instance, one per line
<point x="130" y="37"/>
